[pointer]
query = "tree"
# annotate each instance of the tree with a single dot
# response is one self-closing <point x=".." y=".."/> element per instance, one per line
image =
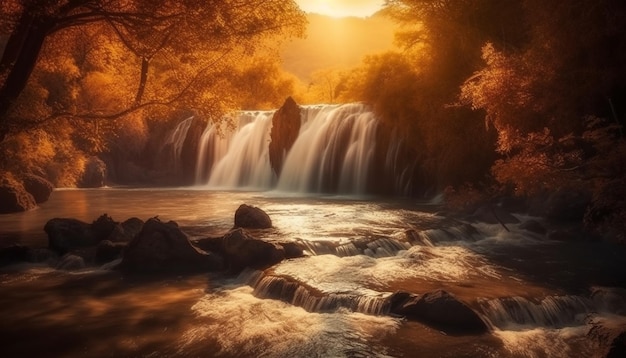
<point x="194" y="33"/>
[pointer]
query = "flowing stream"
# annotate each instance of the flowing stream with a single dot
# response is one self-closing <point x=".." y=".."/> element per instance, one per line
<point x="540" y="297"/>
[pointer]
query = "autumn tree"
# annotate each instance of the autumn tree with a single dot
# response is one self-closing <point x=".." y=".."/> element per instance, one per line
<point x="195" y="34"/>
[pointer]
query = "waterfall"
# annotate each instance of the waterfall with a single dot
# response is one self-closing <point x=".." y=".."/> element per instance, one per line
<point x="552" y="311"/>
<point x="299" y="294"/>
<point x="246" y="160"/>
<point x="176" y="140"/>
<point x="333" y="152"/>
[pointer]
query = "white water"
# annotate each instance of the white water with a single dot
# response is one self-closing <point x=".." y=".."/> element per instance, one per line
<point x="176" y="140"/>
<point x="332" y="153"/>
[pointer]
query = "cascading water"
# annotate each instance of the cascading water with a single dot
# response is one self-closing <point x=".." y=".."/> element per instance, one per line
<point x="332" y="153"/>
<point x="176" y="140"/>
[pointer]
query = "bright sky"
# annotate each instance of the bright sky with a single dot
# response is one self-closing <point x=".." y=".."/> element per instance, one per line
<point x="341" y="8"/>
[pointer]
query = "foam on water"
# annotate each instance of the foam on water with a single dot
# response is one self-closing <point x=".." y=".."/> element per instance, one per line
<point x="271" y="328"/>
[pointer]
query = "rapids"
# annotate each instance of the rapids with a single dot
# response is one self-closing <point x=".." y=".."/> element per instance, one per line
<point x="540" y="297"/>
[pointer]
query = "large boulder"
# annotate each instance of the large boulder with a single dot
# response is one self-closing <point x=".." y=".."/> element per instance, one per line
<point x="440" y="310"/>
<point x="38" y="187"/>
<point x="14" y="197"/>
<point x="95" y="173"/>
<point x="65" y="235"/>
<point x="163" y="248"/>
<point x="107" y="251"/>
<point x="608" y="337"/>
<point x="251" y="217"/>
<point x="242" y="250"/>
<point x="285" y="128"/>
<point x="103" y="227"/>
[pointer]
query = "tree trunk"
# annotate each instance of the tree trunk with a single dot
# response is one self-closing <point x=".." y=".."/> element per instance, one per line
<point x="16" y="41"/>
<point x="20" y="72"/>
<point x="145" y="63"/>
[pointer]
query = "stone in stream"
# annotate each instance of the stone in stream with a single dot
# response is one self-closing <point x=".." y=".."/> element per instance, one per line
<point x="440" y="310"/>
<point x="242" y="250"/>
<point x="65" y="235"/>
<point x="163" y="248"/>
<point x="107" y="251"/>
<point x="251" y="217"/>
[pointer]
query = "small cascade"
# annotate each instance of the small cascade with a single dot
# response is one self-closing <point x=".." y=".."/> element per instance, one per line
<point x="176" y="140"/>
<point x="212" y="148"/>
<point x="298" y="294"/>
<point x="332" y="153"/>
<point x="246" y="160"/>
<point x="552" y="311"/>
<point x="373" y="247"/>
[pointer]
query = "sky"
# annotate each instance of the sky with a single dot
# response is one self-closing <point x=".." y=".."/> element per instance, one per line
<point x="341" y="8"/>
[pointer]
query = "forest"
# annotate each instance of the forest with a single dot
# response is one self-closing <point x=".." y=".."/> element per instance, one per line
<point x="493" y="98"/>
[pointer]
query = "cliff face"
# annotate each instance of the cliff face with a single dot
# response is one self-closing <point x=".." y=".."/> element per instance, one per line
<point x="285" y="129"/>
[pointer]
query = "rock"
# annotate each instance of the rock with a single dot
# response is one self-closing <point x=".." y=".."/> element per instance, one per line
<point x="608" y="337"/>
<point x="126" y="231"/>
<point x="38" y="187"/>
<point x="95" y="173"/>
<point x="65" y="235"/>
<point x="492" y="214"/>
<point x="107" y="251"/>
<point x="71" y="262"/>
<point x="285" y="129"/>
<point x="13" y="196"/>
<point x="163" y="248"/>
<point x="14" y="254"/>
<point x="103" y="227"/>
<point x="242" y="250"/>
<point x="533" y="226"/>
<point x="567" y="205"/>
<point x="440" y="310"/>
<point x="251" y="217"/>
<point x="292" y="250"/>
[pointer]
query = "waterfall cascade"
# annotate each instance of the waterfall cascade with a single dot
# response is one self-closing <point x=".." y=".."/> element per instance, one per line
<point x="333" y="152"/>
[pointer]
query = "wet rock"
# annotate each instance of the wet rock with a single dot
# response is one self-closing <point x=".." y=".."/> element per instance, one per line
<point x="242" y="250"/>
<point x="38" y="187"/>
<point x="492" y="214"/>
<point x="251" y="217"/>
<point x="71" y="262"/>
<point x="292" y="250"/>
<point x="65" y="235"/>
<point x="163" y="248"/>
<point x="533" y="226"/>
<point x="14" y="254"/>
<point x="95" y="173"/>
<point x="285" y="129"/>
<point x="107" y="251"/>
<point x="132" y="227"/>
<point x="567" y="205"/>
<point x="14" y="197"/>
<point x="440" y="310"/>
<point x="103" y="226"/>
<point x="608" y="337"/>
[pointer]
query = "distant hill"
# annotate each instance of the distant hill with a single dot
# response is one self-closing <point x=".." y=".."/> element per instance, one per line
<point x="336" y="43"/>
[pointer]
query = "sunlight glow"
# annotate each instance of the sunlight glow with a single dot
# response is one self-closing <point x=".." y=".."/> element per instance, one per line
<point x="341" y="8"/>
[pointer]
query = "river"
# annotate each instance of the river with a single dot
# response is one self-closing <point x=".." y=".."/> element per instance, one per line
<point x="540" y="297"/>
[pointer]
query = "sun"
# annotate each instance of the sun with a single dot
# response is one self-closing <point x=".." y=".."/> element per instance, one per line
<point x="341" y="8"/>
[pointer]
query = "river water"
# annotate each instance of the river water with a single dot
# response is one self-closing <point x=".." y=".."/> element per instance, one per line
<point x="540" y="297"/>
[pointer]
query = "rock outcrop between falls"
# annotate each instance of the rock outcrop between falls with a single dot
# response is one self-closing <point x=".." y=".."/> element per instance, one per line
<point x="285" y="129"/>
<point x="440" y="310"/>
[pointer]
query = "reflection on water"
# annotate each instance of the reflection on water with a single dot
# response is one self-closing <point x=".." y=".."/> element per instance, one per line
<point x="358" y="250"/>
